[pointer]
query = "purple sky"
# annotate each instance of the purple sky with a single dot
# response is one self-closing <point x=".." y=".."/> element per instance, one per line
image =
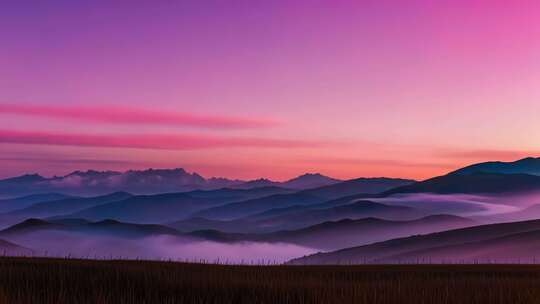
<point x="268" y="88"/>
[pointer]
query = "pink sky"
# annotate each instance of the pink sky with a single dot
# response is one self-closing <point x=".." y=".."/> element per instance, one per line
<point x="247" y="89"/>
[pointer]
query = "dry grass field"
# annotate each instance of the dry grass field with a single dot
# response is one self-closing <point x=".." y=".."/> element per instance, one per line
<point x="40" y="280"/>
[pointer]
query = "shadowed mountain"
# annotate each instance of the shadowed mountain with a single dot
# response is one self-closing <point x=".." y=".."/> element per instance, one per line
<point x="338" y="194"/>
<point x="105" y="227"/>
<point x="257" y="183"/>
<point x="249" y="207"/>
<point x="23" y="185"/>
<point x="358" y="186"/>
<point x="306" y="181"/>
<point x="67" y="206"/>
<point x="30" y="225"/>
<point x="436" y="247"/>
<point x="149" y="208"/>
<point x="309" y="181"/>
<point x="356" y="210"/>
<point x="528" y="165"/>
<point x="473" y="183"/>
<point x="160" y="208"/>
<point x="199" y="223"/>
<point x="7" y="205"/>
<point x="151" y="181"/>
<point x="94" y="183"/>
<point x="210" y="219"/>
<point x="294" y="217"/>
<point x="347" y="233"/>
<point x="279" y="212"/>
<point x="284" y="211"/>
<point x="516" y="248"/>
<point x="127" y="229"/>
<point x="231" y="195"/>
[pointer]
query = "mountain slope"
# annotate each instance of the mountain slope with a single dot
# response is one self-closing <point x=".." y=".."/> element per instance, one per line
<point x="7" y="205"/>
<point x="105" y="228"/>
<point x="528" y="165"/>
<point x="419" y="246"/>
<point x="291" y="217"/>
<point x="148" y="208"/>
<point x="235" y="194"/>
<point x="249" y="207"/>
<point x="199" y="223"/>
<point x="305" y="181"/>
<point x="358" y="186"/>
<point x="150" y="181"/>
<point x="66" y="206"/>
<point x="356" y="210"/>
<point x="346" y="233"/>
<point x="473" y="183"/>
<point x="93" y="183"/>
<point x="309" y="181"/>
<point x="520" y="248"/>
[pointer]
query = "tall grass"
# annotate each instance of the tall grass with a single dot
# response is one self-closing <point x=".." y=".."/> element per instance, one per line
<point x="42" y="280"/>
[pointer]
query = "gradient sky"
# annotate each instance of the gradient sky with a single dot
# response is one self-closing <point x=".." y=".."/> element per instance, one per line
<point x="247" y="89"/>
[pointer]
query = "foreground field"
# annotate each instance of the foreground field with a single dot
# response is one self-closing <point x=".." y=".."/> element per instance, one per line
<point x="32" y="280"/>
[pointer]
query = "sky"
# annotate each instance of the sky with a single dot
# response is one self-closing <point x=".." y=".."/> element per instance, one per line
<point x="249" y="89"/>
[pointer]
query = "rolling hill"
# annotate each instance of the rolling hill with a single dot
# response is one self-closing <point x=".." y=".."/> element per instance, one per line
<point x="149" y="209"/>
<point x="358" y="186"/>
<point x="480" y="183"/>
<point x="7" y="205"/>
<point x="105" y="227"/>
<point x="357" y="210"/>
<point x="295" y="217"/>
<point x="305" y="181"/>
<point x="250" y="207"/>
<point x="66" y="206"/>
<point x="529" y="165"/>
<point x="346" y="233"/>
<point x="436" y="247"/>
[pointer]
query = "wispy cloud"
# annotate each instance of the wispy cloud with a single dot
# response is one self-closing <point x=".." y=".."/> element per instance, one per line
<point x="487" y="155"/>
<point x="377" y="162"/>
<point x="125" y="115"/>
<point x="81" y="161"/>
<point x="149" y="141"/>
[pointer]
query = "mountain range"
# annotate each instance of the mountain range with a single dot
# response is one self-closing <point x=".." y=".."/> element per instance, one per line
<point x="151" y="181"/>
<point x="475" y="213"/>
<point x="333" y="235"/>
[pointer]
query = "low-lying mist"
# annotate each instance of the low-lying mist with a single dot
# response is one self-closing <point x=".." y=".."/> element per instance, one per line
<point x="76" y="245"/>
<point x="462" y="204"/>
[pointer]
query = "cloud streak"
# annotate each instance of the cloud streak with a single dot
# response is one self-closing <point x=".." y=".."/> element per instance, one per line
<point x="125" y="115"/>
<point x="80" y="161"/>
<point x="375" y="162"/>
<point x="148" y="141"/>
<point x="487" y="154"/>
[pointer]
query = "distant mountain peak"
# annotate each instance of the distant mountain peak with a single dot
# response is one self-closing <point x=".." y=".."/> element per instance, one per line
<point x="311" y="175"/>
<point x="26" y="178"/>
<point x="262" y="180"/>
<point x="30" y="223"/>
<point x="95" y="183"/>
<point x="107" y="222"/>
<point x="310" y="180"/>
<point x="92" y="173"/>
